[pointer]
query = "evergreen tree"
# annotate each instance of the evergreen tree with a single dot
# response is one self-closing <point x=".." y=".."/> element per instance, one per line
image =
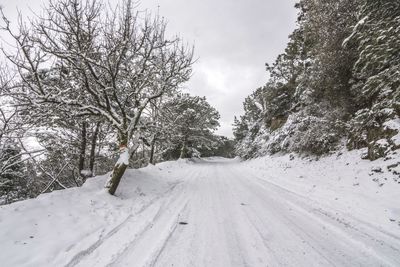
<point x="190" y="121"/>
<point x="13" y="180"/>
<point x="376" y="74"/>
<point x="306" y="102"/>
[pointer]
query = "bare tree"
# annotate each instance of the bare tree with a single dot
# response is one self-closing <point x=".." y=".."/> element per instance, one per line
<point x="87" y="60"/>
<point x="13" y="157"/>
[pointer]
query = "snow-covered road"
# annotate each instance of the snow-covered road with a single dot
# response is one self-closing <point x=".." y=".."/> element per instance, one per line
<point x="236" y="219"/>
<point x="221" y="213"/>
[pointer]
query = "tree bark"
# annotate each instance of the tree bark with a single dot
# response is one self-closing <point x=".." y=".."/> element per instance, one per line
<point x="82" y="151"/>
<point x="118" y="172"/>
<point x="120" y="166"/>
<point x="184" y="150"/>
<point x="93" y="148"/>
<point x="152" y="148"/>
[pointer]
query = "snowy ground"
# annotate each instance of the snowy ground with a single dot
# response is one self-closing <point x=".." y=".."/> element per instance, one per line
<point x="272" y="211"/>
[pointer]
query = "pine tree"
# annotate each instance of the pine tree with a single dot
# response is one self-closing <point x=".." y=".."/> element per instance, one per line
<point x="13" y="180"/>
<point x="190" y="121"/>
<point x="376" y="74"/>
<point x="309" y="87"/>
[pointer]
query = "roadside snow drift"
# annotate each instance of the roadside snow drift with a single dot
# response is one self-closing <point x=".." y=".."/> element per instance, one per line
<point x="271" y="211"/>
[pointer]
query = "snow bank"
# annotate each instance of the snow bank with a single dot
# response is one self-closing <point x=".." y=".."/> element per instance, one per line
<point x="363" y="189"/>
<point x="49" y="230"/>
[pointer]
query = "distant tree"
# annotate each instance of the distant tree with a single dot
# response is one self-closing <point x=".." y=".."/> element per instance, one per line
<point x="13" y="158"/>
<point x="221" y="147"/>
<point x="240" y="129"/>
<point x="13" y="181"/>
<point x="191" y="122"/>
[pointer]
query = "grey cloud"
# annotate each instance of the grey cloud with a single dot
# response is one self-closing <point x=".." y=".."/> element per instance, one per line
<point x="233" y="40"/>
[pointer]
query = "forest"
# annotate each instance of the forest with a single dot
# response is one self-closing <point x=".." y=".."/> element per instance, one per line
<point x="337" y="84"/>
<point x="82" y="96"/>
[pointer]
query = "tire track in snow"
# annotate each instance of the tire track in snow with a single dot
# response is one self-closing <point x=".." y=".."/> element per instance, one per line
<point x="165" y="242"/>
<point x="77" y="258"/>
<point x="290" y="225"/>
<point x="157" y="233"/>
<point x="316" y="209"/>
<point x="273" y="228"/>
<point x="324" y="211"/>
<point x="253" y="220"/>
<point x="215" y="236"/>
<point x="307" y="208"/>
<point x="260" y="225"/>
<point x="232" y="189"/>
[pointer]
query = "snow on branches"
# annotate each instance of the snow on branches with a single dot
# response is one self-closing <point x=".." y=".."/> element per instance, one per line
<point x="86" y="60"/>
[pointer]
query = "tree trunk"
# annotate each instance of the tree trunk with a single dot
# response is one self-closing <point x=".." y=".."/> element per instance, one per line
<point x="82" y="151"/>
<point x="120" y="166"/>
<point x="142" y="161"/>
<point x="152" y="148"/>
<point x="116" y="176"/>
<point x="93" y="148"/>
<point x="184" y="150"/>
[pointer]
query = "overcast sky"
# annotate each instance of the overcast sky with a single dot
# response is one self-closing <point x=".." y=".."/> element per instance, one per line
<point x="233" y="40"/>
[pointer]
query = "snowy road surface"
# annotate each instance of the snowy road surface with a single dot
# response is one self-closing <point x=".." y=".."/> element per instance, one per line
<point x="221" y="213"/>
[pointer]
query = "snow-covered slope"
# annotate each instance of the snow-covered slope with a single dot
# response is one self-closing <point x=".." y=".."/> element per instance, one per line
<point x="368" y="190"/>
<point x="271" y="211"/>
